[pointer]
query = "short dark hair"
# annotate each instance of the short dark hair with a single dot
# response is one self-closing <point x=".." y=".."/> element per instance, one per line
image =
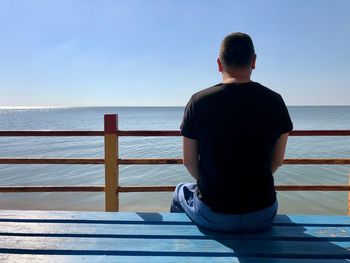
<point x="237" y="50"/>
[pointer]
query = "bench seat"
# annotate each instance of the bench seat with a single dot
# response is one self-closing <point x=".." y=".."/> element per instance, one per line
<point x="52" y="236"/>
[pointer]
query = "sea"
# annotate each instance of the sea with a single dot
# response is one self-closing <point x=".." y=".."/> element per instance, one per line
<point x="155" y="118"/>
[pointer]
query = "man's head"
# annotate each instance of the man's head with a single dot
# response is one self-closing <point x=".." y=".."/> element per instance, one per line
<point x="236" y="53"/>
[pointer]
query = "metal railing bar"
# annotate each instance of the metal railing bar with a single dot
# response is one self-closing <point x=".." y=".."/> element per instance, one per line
<point x="147" y="161"/>
<point x="48" y="188"/>
<point x="157" y="133"/>
<point x="161" y="188"/>
<point x="49" y="133"/>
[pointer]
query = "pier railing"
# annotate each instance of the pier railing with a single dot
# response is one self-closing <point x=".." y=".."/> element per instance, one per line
<point x="111" y="161"/>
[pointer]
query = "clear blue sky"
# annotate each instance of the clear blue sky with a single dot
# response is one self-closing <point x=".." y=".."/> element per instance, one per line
<point x="117" y="53"/>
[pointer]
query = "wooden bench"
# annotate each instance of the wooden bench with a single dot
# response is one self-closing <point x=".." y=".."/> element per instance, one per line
<point x="50" y="236"/>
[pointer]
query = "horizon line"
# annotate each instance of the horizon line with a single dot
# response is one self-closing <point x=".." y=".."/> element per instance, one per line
<point x="139" y="106"/>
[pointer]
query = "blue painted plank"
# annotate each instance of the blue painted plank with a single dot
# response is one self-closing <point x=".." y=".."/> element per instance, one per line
<point x="168" y="231"/>
<point x="119" y="259"/>
<point x="150" y="259"/>
<point x="312" y="220"/>
<point x="7" y="215"/>
<point x="167" y="237"/>
<point x="174" y="247"/>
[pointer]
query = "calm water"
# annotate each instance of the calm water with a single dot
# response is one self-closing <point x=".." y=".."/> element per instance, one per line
<point x="155" y="118"/>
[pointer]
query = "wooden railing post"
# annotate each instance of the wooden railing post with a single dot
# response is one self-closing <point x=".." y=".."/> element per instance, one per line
<point x="349" y="197"/>
<point x="111" y="162"/>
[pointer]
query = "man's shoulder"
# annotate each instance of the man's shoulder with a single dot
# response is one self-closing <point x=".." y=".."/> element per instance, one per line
<point x="207" y="92"/>
<point x="267" y="91"/>
<point x="219" y="89"/>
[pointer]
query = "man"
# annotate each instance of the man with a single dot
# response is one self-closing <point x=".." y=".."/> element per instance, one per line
<point x="234" y="139"/>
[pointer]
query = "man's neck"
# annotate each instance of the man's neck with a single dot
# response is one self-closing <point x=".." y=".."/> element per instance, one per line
<point x="242" y="77"/>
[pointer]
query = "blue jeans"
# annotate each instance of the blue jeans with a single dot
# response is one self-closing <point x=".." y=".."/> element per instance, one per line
<point x="185" y="200"/>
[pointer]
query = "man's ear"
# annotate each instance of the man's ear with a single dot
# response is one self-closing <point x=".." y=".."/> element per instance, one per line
<point x="253" y="61"/>
<point x="220" y="65"/>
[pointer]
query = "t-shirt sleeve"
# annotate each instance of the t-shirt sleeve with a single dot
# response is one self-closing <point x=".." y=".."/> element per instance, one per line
<point x="285" y="122"/>
<point x="188" y="126"/>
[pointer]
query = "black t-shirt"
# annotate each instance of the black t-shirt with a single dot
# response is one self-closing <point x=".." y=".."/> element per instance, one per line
<point x="236" y="126"/>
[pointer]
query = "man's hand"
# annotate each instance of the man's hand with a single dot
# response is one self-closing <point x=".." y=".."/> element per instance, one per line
<point x="190" y="156"/>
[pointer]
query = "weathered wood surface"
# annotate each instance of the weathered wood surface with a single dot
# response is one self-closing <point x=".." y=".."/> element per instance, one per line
<point x="152" y="188"/>
<point x="50" y="133"/>
<point x="48" y="188"/>
<point x="147" y="161"/>
<point x="51" y="161"/>
<point x="169" y="188"/>
<point x="111" y="150"/>
<point x="41" y="236"/>
<point x="317" y="161"/>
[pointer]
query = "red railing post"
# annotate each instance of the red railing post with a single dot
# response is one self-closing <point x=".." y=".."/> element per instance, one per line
<point x="349" y="198"/>
<point x="111" y="162"/>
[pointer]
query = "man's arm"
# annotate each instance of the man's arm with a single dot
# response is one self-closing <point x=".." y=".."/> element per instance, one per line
<point x="278" y="154"/>
<point x="190" y="156"/>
